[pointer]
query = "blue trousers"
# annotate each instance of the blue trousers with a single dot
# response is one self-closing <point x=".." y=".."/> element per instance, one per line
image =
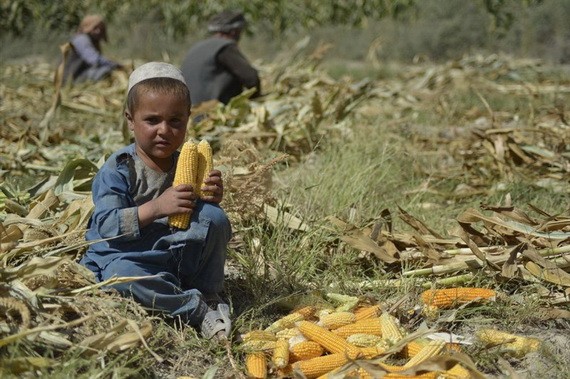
<point x="179" y="268"/>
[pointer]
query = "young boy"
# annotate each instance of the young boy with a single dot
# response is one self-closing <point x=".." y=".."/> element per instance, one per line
<point x="183" y="270"/>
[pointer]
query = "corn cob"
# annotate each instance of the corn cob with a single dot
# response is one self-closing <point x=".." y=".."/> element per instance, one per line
<point x="297" y="339"/>
<point x="391" y="368"/>
<point x="305" y="350"/>
<point x="456" y="372"/>
<point x="307" y="312"/>
<point x="517" y="346"/>
<point x="258" y="345"/>
<point x="287" y="333"/>
<point x="390" y="328"/>
<point x="359" y="373"/>
<point x="260" y="335"/>
<point x="314" y="367"/>
<point x="323" y="312"/>
<point x="394" y="372"/>
<point x="372" y="351"/>
<point x="432" y="349"/>
<point x="327" y="339"/>
<point x="285" y="322"/>
<point x="256" y="365"/>
<point x="205" y="165"/>
<point x="363" y="340"/>
<point x="346" y="302"/>
<point x="448" y="297"/>
<point x="414" y="347"/>
<point x="367" y="312"/>
<point x="185" y="174"/>
<point x="371" y="326"/>
<point x="280" y="356"/>
<point x="427" y="375"/>
<point x="452" y="347"/>
<point x="363" y="374"/>
<point x="337" y="319"/>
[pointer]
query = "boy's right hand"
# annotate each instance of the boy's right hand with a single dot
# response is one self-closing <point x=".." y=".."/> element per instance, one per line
<point x="179" y="199"/>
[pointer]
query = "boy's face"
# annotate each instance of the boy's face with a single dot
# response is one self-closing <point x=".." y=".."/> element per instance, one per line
<point x="159" y="125"/>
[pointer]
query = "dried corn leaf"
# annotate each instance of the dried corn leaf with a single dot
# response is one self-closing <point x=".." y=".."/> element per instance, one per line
<point x="552" y="275"/>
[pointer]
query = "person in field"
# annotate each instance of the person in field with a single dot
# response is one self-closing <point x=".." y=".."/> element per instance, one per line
<point x="215" y="68"/>
<point x="85" y="61"/>
<point x="179" y="271"/>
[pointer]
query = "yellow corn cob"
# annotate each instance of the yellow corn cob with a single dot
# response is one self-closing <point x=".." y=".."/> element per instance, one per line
<point x="414" y="347"/>
<point x="372" y="351"/>
<point x="346" y="302"/>
<point x="307" y="312"/>
<point x="205" y="165"/>
<point x="256" y="365"/>
<point x="327" y="339"/>
<point x="258" y="345"/>
<point x="261" y="335"/>
<point x="359" y="373"/>
<point x="432" y="349"/>
<point x="394" y="372"/>
<point x="314" y="367"/>
<point x="323" y="312"/>
<point x="363" y="374"/>
<point x="427" y="375"/>
<point x="371" y="326"/>
<point x="363" y="340"/>
<point x="285" y="322"/>
<point x="391" y="368"/>
<point x="367" y="312"/>
<point x="185" y="174"/>
<point x="305" y="350"/>
<point x="287" y="333"/>
<point x="390" y="328"/>
<point x="448" y="297"/>
<point x="281" y="353"/>
<point x="456" y="372"/>
<point x="297" y="339"/>
<point x="514" y="345"/>
<point x="337" y="319"/>
<point x="452" y="347"/>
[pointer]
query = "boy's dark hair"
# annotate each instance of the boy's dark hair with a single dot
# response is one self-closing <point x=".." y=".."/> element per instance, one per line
<point x="161" y="85"/>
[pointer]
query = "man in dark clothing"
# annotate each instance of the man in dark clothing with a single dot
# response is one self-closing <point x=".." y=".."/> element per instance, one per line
<point x="215" y="68"/>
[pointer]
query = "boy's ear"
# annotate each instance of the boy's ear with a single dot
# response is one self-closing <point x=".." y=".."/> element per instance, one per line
<point x="129" y="120"/>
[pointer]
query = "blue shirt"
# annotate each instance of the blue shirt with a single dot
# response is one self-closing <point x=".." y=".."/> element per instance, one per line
<point x="119" y="188"/>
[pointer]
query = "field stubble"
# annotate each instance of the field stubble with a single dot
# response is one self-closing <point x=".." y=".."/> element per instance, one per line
<point x="434" y="176"/>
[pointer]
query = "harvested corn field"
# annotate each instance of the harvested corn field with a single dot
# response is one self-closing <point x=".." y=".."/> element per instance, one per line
<point x="416" y="225"/>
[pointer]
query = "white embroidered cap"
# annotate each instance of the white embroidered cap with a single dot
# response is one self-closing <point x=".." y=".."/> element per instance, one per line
<point x="154" y="70"/>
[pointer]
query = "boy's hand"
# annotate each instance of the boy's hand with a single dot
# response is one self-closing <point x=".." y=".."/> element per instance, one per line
<point x="179" y="199"/>
<point x="215" y="185"/>
<point x="172" y="201"/>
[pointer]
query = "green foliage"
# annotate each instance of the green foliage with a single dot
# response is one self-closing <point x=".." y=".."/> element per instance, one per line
<point x="502" y="10"/>
<point x="19" y="15"/>
<point x="177" y="18"/>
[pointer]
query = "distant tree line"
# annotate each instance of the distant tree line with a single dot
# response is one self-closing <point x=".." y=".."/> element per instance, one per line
<point x="178" y="17"/>
<point x="438" y="29"/>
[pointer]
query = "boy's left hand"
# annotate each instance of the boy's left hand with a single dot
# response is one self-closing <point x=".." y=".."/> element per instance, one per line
<point x="215" y="185"/>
